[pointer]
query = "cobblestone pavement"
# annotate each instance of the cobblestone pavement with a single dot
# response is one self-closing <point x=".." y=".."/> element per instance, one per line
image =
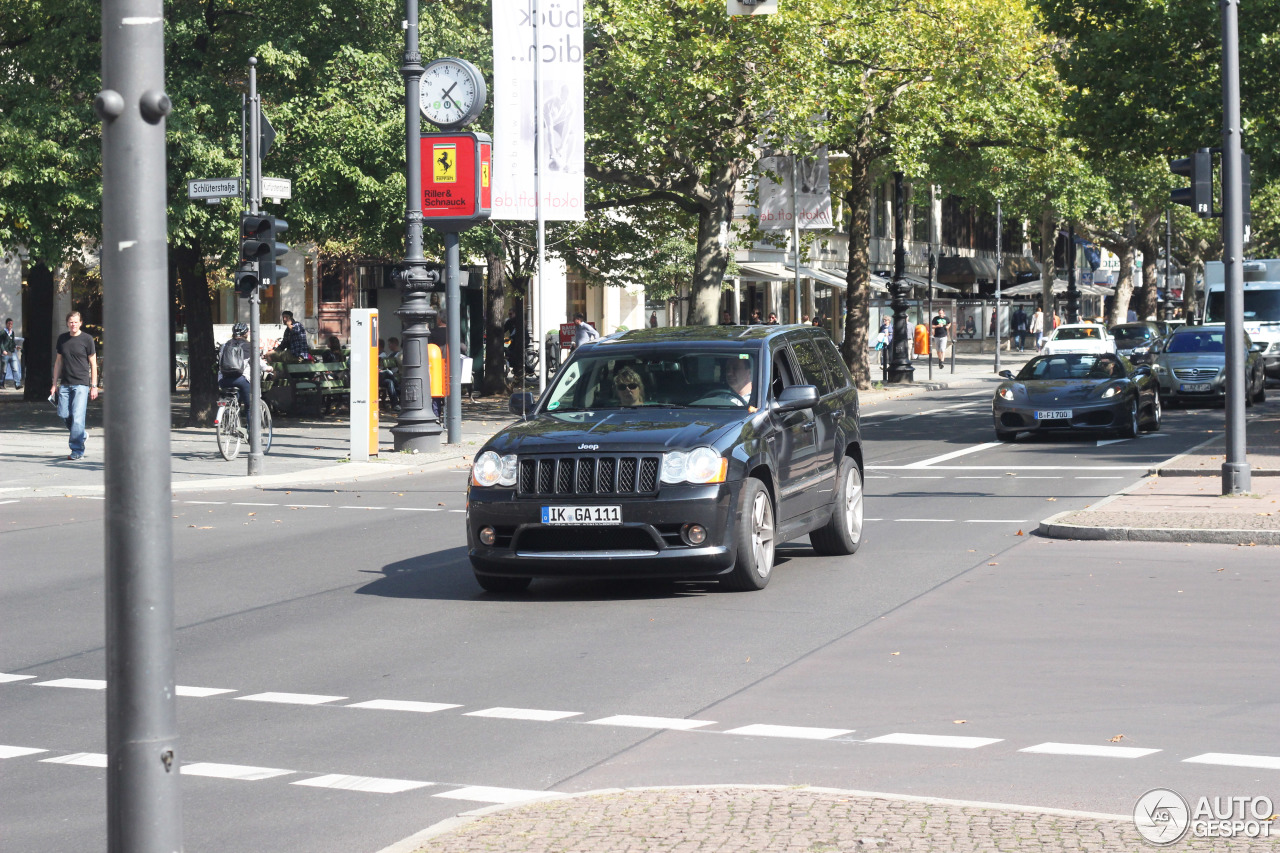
<point x="794" y="820"/>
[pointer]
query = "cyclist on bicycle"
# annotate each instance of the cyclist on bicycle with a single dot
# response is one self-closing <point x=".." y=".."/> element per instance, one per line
<point x="233" y="364"/>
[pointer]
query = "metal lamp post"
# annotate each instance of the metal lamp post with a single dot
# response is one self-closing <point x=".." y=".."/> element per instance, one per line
<point x="418" y="427"/>
<point x="900" y="369"/>
<point x="932" y="263"/>
<point x="1073" y="295"/>
<point x="1236" y="475"/>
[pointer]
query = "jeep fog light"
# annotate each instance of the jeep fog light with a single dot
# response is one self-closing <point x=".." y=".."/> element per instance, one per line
<point x="487" y="536"/>
<point x="693" y="534"/>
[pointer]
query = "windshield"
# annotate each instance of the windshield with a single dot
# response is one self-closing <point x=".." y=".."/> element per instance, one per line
<point x="1202" y="340"/>
<point x="1072" y="366"/>
<point x="1132" y="334"/>
<point x="1087" y="333"/>
<point x="1260" y="306"/>
<point x="673" y="377"/>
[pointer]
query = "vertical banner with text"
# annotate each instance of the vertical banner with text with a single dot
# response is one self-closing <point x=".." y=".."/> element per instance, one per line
<point x="812" y="203"/>
<point x="513" y="109"/>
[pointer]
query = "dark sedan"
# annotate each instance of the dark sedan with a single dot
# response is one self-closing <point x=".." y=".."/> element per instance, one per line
<point x="688" y="452"/>
<point x="1076" y="391"/>
<point x="1137" y="341"/>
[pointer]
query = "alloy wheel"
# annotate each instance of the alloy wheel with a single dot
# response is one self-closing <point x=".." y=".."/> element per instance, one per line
<point x="762" y="533"/>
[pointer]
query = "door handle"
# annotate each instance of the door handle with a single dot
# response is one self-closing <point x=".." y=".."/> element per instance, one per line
<point x="810" y="426"/>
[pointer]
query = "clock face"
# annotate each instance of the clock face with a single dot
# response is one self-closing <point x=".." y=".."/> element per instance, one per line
<point x="452" y="93"/>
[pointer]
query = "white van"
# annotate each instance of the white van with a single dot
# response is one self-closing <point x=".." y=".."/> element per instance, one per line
<point x="1261" y="306"/>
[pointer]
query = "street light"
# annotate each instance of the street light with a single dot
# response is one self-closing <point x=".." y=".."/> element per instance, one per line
<point x="932" y="263"/>
<point x="1073" y="295"/>
<point x="900" y="370"/>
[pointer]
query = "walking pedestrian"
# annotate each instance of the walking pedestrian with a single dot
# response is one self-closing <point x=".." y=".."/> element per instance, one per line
<point x="1018" y="323"/>
<point x="940" y="338"/>
<point x="10" y="361"/>
<point x="1036" y="327"/>
<point x="583" y="332"/>
<point x="75" y="381"/>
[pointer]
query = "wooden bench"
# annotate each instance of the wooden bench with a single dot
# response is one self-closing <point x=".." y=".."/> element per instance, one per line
<point x="309" y="387"/>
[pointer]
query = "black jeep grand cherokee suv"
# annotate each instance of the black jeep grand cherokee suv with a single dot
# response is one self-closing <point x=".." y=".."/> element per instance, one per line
<point x="687" y="452"/>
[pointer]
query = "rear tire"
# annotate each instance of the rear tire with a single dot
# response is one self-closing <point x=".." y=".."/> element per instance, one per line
<point x="1261" y="396"/>
<point x="842" y="535"/>
<point x="228" y="432"/>
<point x="753" y="538"/>
<point x="264" y="419"/>
<point x="502" y="585"/>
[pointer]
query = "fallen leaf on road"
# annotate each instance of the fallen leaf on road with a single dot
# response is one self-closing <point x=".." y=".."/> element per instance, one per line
<point x="895" y="653"/>
<point x="439" y="504"/>
<point x="959" y="722"/>
<point x="1051" y="499"/>
<point x="993" y="564"/>
<point x="1117" y="738"/>
<point x="253" y="513"/>
<point x="1019" y="533"/>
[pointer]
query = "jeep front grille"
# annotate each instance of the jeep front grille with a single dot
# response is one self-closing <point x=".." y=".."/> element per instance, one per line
<point x="589" y="475"/>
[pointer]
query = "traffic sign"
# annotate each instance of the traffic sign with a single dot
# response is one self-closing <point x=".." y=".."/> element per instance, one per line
<point x="213" y="188"/>
<point x="278" y="188"/>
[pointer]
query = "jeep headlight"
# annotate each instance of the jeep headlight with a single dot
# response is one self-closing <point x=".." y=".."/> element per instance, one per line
<point x="490" y="469"/>
<point x="702" y="465"/>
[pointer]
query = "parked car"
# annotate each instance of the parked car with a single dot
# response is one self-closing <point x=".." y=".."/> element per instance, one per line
<point x="1191" y="366"/>
<point x="1079" y="337"/>
<point x="1136" y="341"/>
<point x="1076" y="391"/>
<point x="686" y="452"/>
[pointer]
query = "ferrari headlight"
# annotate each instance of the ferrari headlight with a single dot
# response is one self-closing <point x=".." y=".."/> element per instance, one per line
<point x="1110" y="392"/>
<point x="702" y="465"/>
<point x="1005" y="393"/>
<point x="490" y="469"/>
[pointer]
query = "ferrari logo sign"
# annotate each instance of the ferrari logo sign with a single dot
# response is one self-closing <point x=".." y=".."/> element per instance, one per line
<point x="444" y="163"/>
<point x="484" y="174"/>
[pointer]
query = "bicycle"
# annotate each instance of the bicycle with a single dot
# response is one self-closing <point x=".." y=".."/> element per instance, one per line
<point x="228" y="429"/>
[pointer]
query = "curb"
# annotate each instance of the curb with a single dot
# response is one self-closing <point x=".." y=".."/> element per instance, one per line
<point x="1209" y="472"/>
<point x="1051" y="528"/>
<point x="414" y="842"/>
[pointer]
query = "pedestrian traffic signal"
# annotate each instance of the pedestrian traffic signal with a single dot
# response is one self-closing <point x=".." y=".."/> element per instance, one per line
<point x="1199" y="196"/>
<point x="278" y="227"/>
<point x="246" y="279"/>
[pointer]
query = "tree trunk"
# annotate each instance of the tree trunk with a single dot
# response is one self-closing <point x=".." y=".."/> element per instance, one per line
<point x="1147" y="297"/>
<point x="202" y="377"/>
<point x="37" y="321"/>
<point x="1124" y="284"/>
<point x="1048" y="269"/>
<point x="712" y="260"/>
<point x="495" y="314"/>
<point x="857" y="295"/>
<point x="1191" y="272"/>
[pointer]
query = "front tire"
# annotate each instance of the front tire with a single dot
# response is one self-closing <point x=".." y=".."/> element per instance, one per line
<point x="228" y="433"/>
<point x="1131" y="429"/>
<point x="842" y="535"/>
<point x="502" y="585"/>
<point x="1157" y="413"/>
<point x="753" y="538"/>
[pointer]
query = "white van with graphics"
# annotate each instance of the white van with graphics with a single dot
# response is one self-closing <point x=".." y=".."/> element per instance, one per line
<point x="1261" y="306"/>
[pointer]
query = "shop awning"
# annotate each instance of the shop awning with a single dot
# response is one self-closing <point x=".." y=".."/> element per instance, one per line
<point x="767" y="271"/>
<point x="1016" y="265"/>
<point x="963" y="270"/>
<point x="917" y="281"/>
<point x="1034" y="288"/>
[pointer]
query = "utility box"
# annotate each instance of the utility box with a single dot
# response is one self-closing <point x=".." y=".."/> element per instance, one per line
<point x="363" y="366"/>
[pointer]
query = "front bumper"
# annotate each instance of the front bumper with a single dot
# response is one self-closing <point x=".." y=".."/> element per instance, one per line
<point x="1011" y="416"/>
<point x="646" y="544"/>
<point x="1172" y="388"/>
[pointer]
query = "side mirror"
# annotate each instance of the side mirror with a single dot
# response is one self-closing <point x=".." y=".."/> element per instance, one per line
<point x="1007" y="374"/>
<point x="1258" y="347"/>
<point x="797" y="397"/>
<point x="521" y="403"/>
<point x="1142" y="370"/>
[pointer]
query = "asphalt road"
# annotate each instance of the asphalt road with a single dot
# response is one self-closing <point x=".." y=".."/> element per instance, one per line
<point x="345" y="683"/>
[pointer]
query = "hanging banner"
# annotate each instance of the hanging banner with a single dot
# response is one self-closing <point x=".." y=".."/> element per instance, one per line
<point x="812" y="203"/>
<point x="561" y="121"/>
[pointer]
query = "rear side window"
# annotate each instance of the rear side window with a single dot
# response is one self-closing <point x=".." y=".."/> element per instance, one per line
<point x="811" y="366"/>
<point x="836" y="369"/>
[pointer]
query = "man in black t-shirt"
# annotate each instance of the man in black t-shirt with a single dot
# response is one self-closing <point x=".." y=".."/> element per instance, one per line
<point x="75" y="380"/>
<point x="940" y="339"/>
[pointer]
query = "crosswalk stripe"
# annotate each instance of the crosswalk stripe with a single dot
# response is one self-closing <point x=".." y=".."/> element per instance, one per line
<point x="201" y="692"/>
<point x="18" y="751"/>
<point x="371" y="784"/>
<point x="402" y="705"/>
<point x="75" y="683"/>
<point x="1264" y="762"/>
<point x="523" y="714"/>
<point x="947" y="741"/>
<point x="6" y="677"/>
<point x="484" y="794"/>
<point x="243" y="772"/>
<point x="81" y="759"/>
<point x="807" y="732"/>
<point x="651" y="722"/>
<point x="1089" y="749"/>
<point x="291" y="698"/>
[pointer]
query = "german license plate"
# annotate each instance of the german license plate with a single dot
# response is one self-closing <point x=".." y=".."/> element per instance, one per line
<point x="1195" y="388"/>
<point x="1054" y="415"/>
<point x="582" y="515"/>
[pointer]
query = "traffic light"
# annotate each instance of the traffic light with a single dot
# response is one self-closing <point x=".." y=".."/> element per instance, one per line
<point x="259" y="247"/>
<point x="1199" y="196"/>
<point x="278" y="227"/>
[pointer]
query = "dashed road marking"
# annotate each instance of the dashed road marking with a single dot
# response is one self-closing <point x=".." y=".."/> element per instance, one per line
<point x="206" y="503"/>
<point x="80" y="759"/>
<point x="945" y="741"/>
<point x="806" y="732"/>
<point x="75" y="683"/>
<point x="483" y="794"/>
<point x="362" y="507"/>
<point x="201" y="692"/>
<point x="651" y="722"/>
<point x="291" y="698"/>
<point x="1264" y="762"/>
<point x="1089" y="749"/>
<point x="925" y="463"/>
<point x="523" y="714"/>
<point x="251" y="503"/>
<point x="402" y="705"/>
<point x="18" y="751"/>
<point x="243" y="772"/>
<point x="371" y="784"/>
<point x="7" y="677"/>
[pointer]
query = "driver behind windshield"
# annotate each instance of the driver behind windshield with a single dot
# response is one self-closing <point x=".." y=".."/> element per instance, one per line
<point x="737" y="374"/>
<point x="629" y="386"/>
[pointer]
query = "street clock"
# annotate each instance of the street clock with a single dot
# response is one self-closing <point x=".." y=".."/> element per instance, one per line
<point x="452" y="94"/>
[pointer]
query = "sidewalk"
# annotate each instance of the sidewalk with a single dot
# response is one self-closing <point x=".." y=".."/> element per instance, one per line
<point x="1182" y="500"/>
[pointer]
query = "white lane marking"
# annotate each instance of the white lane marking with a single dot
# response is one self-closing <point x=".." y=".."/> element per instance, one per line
<point x="1093" y="750"/>
<point x="1011" y="469"/>
<point x="934" y="411"/>
<point x="307" y="506"/>
<point x="954" y="454"/>
<point x="208" y="503"/>
<point x="6" y="677"/>
<point x="1039" y="477"/>
<point x="1265" y="762"/>
<point x="75" y="683"/>
<point x="1105" y="441"/>
<point x="402" y="705"/>
<point x="417" y="509"/>
<point x="484" y="794"/>
<point x="92" y="498"/>
<point x="808" y="732"/>
<point x="924" y="519"/>
<point x="523" y="714"/>
<point x="457" y="510"/>
<point x="371" y="784"/>
<point x="651" y="722"/>
<point x="250" y="503"/>
<point x="18" y="751"/>
<point x="995" y="521"/>
<point x="948" y="741"/>
<point x="14" y="501"/>
<point x="80" y="759"/>
<point x="983" y="477"/>
<point x="362" y="507"/>
<point x="877" y="477"/>
<point x="1100" y="478"/>
<point x="201" y="692"/>
<point x="930" y="477"/>
<point x="873" y="519"/>
<point x="291" y="698"/>
<point x="243" y="772"/>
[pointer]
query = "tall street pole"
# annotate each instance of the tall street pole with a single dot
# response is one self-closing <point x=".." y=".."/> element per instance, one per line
<point x="1073" y="295"/>
<point x="144" y="805"/>
<point x="255" y="297"/>
<point x="453" y="331"/>
<point x="795" y="235"/>
<point x="418" y="428"/>
<point x="999" y="263"/>
<point x="538" y="144"/>
<point x="1235" y="469"/>
<point x="900" y="368"/>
